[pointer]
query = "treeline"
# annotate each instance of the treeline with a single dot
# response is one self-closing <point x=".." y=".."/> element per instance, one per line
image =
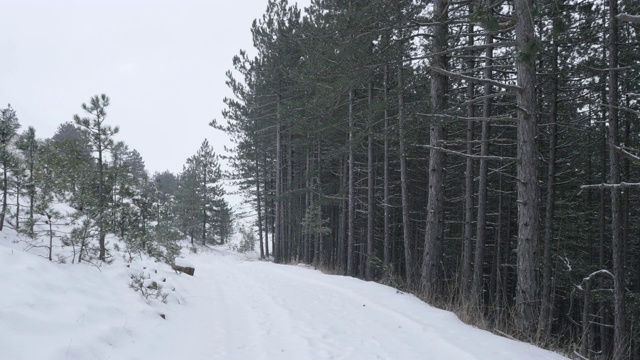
<point x="481" y="154"/>
<point x="107" y="185"/>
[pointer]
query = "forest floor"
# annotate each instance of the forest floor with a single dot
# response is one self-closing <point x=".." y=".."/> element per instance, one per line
<point x="235" y="307"/>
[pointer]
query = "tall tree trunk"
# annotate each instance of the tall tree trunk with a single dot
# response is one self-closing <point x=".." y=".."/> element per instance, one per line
<point x="267" y="209"/>
<point x="50" y="236"/>
<point x="546" y="305"/>
<point x="259" y="207"/>
<point x="481" y="222"/>
<point x="387" y="240"/>
<point x="497" y="269"/>
<point x="430" y="278"/>
<point x="466" y="274"/>
<point x="205" y="197"/>
<point x="318" y="250"/>
<point x="404" y="189"/>
<point x="584" y="342"/>
<point x="602" y="224"/>
<point x="4" y="194"/>
<point x="101" y="204"/>
<point x="351" y="223"/>
<point x="619" y="331"/>
<point x="370" y="198"/>
<point x="307" y="235"/>
<point x="18" y="205"/>
<point x="289" y="209"/>
<point x="32" y="189"/>
<point x="342" y="227"/>
<point x="278" y="236"/>
<point x="527" y="170"/>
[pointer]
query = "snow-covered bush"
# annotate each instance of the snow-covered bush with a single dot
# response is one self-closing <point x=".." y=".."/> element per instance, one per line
<point x="247" y="240"/>
<point x="149" y="289"/>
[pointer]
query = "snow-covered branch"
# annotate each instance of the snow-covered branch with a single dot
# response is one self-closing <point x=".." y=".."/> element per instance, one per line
<point x="609" y="186"/>
<point x="635" y="19"/>
<point x="592" y="275"/>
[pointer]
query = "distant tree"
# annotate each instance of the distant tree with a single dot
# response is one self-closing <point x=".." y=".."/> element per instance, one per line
<point x="210" y="189"/>
<point x="199" y="195"/>
<point x="68" y="131"/>
<point x="136" y="166"/>
<point x="68" y="164"/>
<point x="166" y="182"/>
<point x="141" y="214"/>
<point x="187" y="200"/>
<point x="9" y="126"/>
<point x="224" y="221"/>
<point x="101" y="139"/>
<point x="122" y="185"/>
<point x="29" y="146"/>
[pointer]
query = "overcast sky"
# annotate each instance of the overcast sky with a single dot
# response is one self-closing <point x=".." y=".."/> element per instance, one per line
<point x="162" y="63"/>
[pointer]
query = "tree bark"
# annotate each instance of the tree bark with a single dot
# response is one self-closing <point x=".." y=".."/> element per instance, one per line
<point x="546" y="305"/>
<point x="406" y="226"/>
<point x="370" y="188"/>
<point x="387" y="237"/>
<point x="259" y="206"/>
<point x="430" y="278"/>
<point x="527" y="171"/>
<point x="278" y="247"/>
<point x="267" y="209"/>
<point x="481" y="222"/>
<point x="4" y="195"/>
<point x="32" y="188"/>
<point x="619" y="331"/>
<point x="101" y="200"/>
<point x="351" y="229"/>
<point x="467" y="262"/>
<point x="342" y="227"/>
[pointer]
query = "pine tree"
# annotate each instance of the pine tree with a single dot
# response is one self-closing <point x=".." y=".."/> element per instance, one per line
<point x="9" y="126"/>
<point x="100" y="136"/>
<point x="29" y="147"/>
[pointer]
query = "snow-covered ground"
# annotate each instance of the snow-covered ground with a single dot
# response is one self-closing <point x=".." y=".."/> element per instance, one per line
<point x="235" y="307"/>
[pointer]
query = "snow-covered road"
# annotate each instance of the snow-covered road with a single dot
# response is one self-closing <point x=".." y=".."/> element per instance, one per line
<point x="234" y="308"/>
<point x="243" y="309"/>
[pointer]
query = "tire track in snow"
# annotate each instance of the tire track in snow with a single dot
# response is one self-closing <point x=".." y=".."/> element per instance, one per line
<point x="254" y="324"/>
<point x="260" y="310"/>
<point x="357" y="312"/>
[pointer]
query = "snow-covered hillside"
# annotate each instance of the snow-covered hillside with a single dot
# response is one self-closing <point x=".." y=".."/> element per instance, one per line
<point x="235" y="307"/>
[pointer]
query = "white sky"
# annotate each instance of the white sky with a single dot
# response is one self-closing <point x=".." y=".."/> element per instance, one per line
<point x="162" y="63"/>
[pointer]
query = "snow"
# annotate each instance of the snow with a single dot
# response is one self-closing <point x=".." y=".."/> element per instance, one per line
<point x="183" y="262"/>
<point x="235" y="307"/>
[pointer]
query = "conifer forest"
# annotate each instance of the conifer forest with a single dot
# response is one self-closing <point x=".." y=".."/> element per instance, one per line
<point x="483" y="155"/>
<point x="106" y="183"/>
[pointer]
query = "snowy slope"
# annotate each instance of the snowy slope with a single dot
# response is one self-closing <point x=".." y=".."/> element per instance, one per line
<point x="233" y="308"/>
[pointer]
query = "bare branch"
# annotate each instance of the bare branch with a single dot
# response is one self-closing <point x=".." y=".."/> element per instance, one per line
<point x="479" y="157"/>
<point x="622" y="185"/>
<point x="468" y="118"/>
<point x="477" y="80"/>
<point x="628" y="155"/>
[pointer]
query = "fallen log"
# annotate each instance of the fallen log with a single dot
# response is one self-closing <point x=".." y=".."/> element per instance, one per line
<point x="185" y="269"/>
